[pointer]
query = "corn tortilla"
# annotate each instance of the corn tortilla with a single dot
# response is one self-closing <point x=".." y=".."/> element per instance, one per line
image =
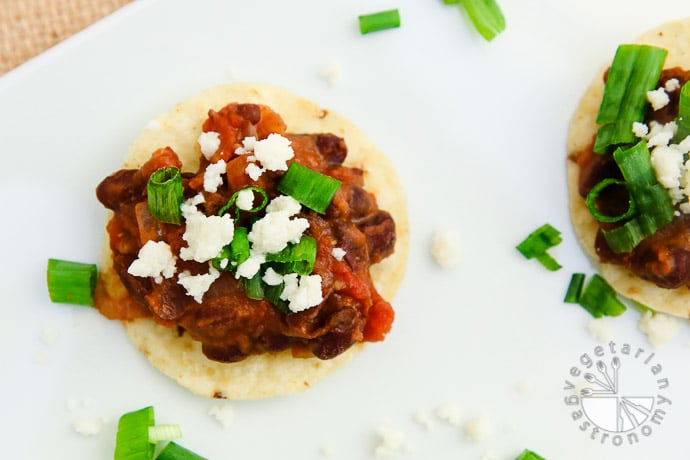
<point x="674" y="37"/>
<point x="266" y="375"/>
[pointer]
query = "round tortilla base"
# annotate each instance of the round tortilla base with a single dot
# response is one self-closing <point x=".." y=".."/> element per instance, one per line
<point x="267" y="375"/>
<point x="675" y="37"/>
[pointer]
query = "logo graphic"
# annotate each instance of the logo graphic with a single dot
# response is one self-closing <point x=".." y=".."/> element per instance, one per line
<point x="617" y="395"/>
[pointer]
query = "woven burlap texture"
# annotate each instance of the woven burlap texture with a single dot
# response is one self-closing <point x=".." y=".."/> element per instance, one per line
<point x="28" y="27"/>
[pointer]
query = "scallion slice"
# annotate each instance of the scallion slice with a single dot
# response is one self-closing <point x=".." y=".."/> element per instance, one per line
<point x="593" y="195"/>
<point x="296" y="258"/>
<point x="174" y="451"/>
<point x="71" y="282"/>
<point x="312" y="189"/>
<point x="132" y="441"/>
<point x="654" y="207"/>
<point x="254" y="287"/>
<point x="165" y="194"/>
<point x="529" y="455"/>
<point x="599" y="298"/>
<point x="233" y="199"/>
<point x="572" y="295"/>
<point x="381" y="20"/>
<point x="486" y="16"/>
<point x="538" y="242"/>
<point x="158" y="433"/>
<point x="634" y="71"/>
<point x="683" y="118"/>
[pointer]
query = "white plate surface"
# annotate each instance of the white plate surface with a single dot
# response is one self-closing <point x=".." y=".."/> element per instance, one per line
<point x="477" y="132"/>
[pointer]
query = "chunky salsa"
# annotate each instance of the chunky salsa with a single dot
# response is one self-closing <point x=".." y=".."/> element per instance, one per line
<point x="230" y="325"/>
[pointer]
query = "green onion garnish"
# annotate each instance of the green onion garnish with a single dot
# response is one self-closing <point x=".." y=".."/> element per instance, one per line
<point x="683" y="118"/>
<point x="254" y="287"/>
<point x="634" y="71"/>
<point x="174" y="451"/>
<point x="296" y="258"/>
<point x="593" y="195"/>
<point x="486" y="16"/>
<point x="537" y="243"/>
<point x="158" y="433"/>
<point x="529" y="455"/>
<point x="572" y="295"/>
<point x="312" y="189"/>
<point x="132" y="442"/>
<point x="71" y="282"/>
<point x="599" y="298"/>
<point x="654" y="207"/>
<point x="382" y="20"/>
<point x="234" y="253"/>
<point x="233" y="199"/>
<point x="165" y="194"/>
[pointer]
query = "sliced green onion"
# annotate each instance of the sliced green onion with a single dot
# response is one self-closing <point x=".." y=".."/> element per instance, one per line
<point x="654" y="207"/>
<point x="572" y="295"/>
<point x="683" y="118"/>
<point x="381" y="20"/>
<point x="233" y="199"/>
<point x="165" y="195"/>
<point x="174" y="451"/>
<point x="634" y="71"/>
<point x="599" y="298"/>
<point x="537" y="243"/>
<point x="71" y="282"/>
<point x="486" y="16"/>
<point x="234" y="253"/>
<point x="296" y="258"/>
<point x="158" y="433"/>
<point x="593" y="195"/>
<point x="272" y="294"/>
<point x="529" y="455"/>
<point x="312" y="189"/>
<point x="254" y="287"/>
<point x="132" y="441"/>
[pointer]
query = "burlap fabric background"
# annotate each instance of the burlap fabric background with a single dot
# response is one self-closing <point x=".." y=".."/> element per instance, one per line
<point x="28" y="27"/>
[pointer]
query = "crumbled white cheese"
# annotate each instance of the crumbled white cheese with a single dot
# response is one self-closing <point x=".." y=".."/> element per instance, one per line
<point x="197" y="285"/>
<point x="49" y="335"/>
<point x="449" y="413"/>
<point x="88" y="427"/>
<point x="479" y="428"/>
<point x="392" y="442"/>
<point x="247" y="146"/>
<point x="338" y="253"/>
<point x="209" y="142"/>
<point x="273" y="152"/>
<point x="245" y="199"/>
<point x="254" y="171"/>
<point x="331" y="72"/>
<point x="600" y="329"/>
<point x="667" y="162"/>
<point x="658" y="327"/>
<point x="156" y="260"/>
<point x="223" y="413"/>
<point x="424" y="419"/>
<point x="205" y="235"/>
<point x="213" y="176"/>
<point x="251" y="266"/>
<point x="640" y="129"/>
<point x="272" y="278"/>
<point x="285" y="204"/>
<point x="445" y="248"/>
<point x="671" y="85"/>
<point x="658" y="98"/>
<point x="302" y="292"/>
<point x="661" y="134"/>
<point x="275" y="230"/>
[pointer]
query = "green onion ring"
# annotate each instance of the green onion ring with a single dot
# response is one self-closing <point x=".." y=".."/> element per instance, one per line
<point x="233" y="199"/>
<point x="594" y="194"/>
